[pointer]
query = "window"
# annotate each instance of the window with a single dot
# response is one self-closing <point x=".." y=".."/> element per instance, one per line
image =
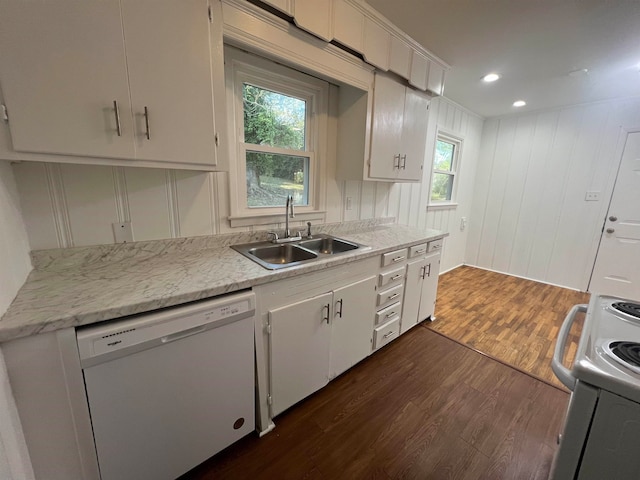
<point x="279" y="116"/>
<point x="445" y="165"/>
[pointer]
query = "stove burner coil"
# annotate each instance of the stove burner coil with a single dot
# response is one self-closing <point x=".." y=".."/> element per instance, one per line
<point x="629" y="308"/>
<point x="628" y="352"/>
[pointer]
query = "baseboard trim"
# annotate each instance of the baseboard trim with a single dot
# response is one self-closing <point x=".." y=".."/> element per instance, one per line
<point x="523" y="277"/>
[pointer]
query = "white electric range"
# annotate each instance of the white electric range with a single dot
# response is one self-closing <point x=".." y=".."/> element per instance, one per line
<point x="602" y="428"/>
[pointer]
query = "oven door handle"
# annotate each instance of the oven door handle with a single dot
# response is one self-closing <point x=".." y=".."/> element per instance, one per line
<point x="562" y="372"/>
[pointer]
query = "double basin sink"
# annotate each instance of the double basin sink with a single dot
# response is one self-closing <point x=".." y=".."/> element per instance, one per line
<point x="274" y="256"/>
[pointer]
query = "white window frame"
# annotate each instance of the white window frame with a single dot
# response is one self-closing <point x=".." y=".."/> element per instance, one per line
<point x="458" y="142"/>
<point x="242" y="67"/>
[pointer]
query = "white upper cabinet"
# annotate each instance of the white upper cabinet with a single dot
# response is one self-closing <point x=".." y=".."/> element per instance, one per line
<point x="107" y="80"/>
<point x="315" y="16"/>
<point x="64" y="77"/>
<point x="436" y="79"/>
<point x="400" y="57"/>
<point x="285" y="6"/>
<point x="398" y="131"/>
<point x="348" y="25"/>
<point x="168" y="57"/>
<point x="377" y="44"/>
<point x="419" y="70"/>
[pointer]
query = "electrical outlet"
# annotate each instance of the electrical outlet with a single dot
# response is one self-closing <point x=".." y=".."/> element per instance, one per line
<point x="122" y="232"/>
<point x="592" y="196"/>
<point x="463" y="223"/>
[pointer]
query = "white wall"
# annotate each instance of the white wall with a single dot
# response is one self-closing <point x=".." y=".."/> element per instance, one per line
<point x="72" y="205"/>
<point x="14" y="268"/>
<point x="529" y="215"/>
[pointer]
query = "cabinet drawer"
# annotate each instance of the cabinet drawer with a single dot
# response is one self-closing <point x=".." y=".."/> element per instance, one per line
<point x="394" y="257"/>
<point x="385" y="333"/>
<point x="417" y="250"/>
<point x="390" y="296"/>
<point x="387" y="314"/>
<point x="435" y="246"/>
<point x="391" y="277"/>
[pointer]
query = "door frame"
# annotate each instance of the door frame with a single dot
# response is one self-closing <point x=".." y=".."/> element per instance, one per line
<point x="621" y="144"/>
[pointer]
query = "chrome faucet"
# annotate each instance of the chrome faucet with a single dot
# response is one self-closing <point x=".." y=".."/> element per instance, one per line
<point x="288" y="214"/>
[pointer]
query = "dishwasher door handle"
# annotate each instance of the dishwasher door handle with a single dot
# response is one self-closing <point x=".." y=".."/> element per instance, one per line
<point x="183" y="334"/>
<point x="562" y="372"/>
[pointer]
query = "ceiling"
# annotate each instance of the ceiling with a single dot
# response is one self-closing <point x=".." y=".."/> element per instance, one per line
<point x="533" y="44"/>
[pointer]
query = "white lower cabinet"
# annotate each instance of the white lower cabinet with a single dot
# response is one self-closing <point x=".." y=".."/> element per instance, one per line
<point x="421" y="288"/>
<point x="315" y="327"/>
<point x="299" y="343"/>
<point x="315" y="340"/>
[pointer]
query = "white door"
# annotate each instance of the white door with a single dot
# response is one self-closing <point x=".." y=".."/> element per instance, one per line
<point x="617" y="267"/>
<point x="429" y="286"/>
<point x="62" y="68"/>
<point x="412" y="293"/>
<point x="386" y="129"/>
<point x="169" y="63"/>
<point x="352" y="330"/>
<point x="299" y="350"/>
<point x="414" y="135"/>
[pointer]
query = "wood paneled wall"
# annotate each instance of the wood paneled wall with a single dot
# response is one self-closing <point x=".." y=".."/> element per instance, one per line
<point x="529" y="216"/>
<point x="72" y="205"/>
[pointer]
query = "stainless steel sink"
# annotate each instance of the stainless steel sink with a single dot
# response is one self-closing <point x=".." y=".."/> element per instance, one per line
<point x="328" y="245"/>
<point x="281" y="254"/>
<point x="275" y="256"/>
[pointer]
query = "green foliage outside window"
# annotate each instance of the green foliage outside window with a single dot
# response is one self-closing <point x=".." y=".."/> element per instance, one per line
<point x="274" y="120"/>
<point x="442" y="185"/>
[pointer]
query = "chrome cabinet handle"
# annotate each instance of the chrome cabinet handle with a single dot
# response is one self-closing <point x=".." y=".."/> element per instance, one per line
<point x="395" y="277"/>
<point x="116" y="111"/>
<point x="404" y="162"/>
<point x="423" y="271"/>
<point x="396" y="156"/>
<point x="398" y="259"/>
<point x="389" y="315"/>
<point x="391" y="297"/>
<point x="422" y="250"/>
<point x="339" y="312"/>
<point x="328" y="307"/>
<point x="613" y="218"/>
<point x="429" y="272"/>
<point x="611" y="230"/>
<point x="146" y="123"/>
<point x="387" y="335"/>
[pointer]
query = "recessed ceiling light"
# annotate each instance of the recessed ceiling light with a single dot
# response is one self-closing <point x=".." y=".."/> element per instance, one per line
<point x="519" y="103"/>
<point x="578" y="73"/>
<point x="491" y="77"/>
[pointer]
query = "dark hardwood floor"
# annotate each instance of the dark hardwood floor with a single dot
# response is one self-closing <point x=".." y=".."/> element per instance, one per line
<point x="509" y="318"/>
<point x="424" y="407"/>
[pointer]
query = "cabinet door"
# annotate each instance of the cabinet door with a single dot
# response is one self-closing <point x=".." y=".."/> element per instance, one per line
<point x="299" y="350"/>
<point x="63" y="67"/>
<point x="353" y="316"/>
<point x="377" y="44"/>
<point x="169" y="62"/>
<point x="412" y="293"/>
<point x="315" y="16"/>
<point x="348" y="25"/>
<point x="414" y="135"/>
<point x="429" y="287"/>
<point x="386" y="127"/>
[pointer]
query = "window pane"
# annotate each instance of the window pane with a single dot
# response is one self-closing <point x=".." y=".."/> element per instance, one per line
<point x="442" y="187"/>
<point x="271" y="177"/>
<point x="273" y="119"/>
<point x="444" y="156"/>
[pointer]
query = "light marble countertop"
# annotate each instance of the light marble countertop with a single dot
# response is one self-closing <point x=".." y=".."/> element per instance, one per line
<point x="84" y="285"/>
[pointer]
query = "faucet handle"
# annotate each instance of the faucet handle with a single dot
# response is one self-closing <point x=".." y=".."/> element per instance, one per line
<point x="308" y="229"/>
<point x="272" y="236"/>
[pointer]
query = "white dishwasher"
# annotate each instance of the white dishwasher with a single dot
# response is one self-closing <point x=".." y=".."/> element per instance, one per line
<point x="169" y="389"/>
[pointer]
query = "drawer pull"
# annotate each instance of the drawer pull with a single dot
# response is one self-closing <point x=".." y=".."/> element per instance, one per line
<point x="391" y="297"/>
<point x="328" y="307"/>
<point x="436" y="247"/>
<point x="422" y="250"/>
<point x="395" y="277"/>
<point x="398" y="259"/>
<point x="389" y="315"/>
<point x="387" y="335"/>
